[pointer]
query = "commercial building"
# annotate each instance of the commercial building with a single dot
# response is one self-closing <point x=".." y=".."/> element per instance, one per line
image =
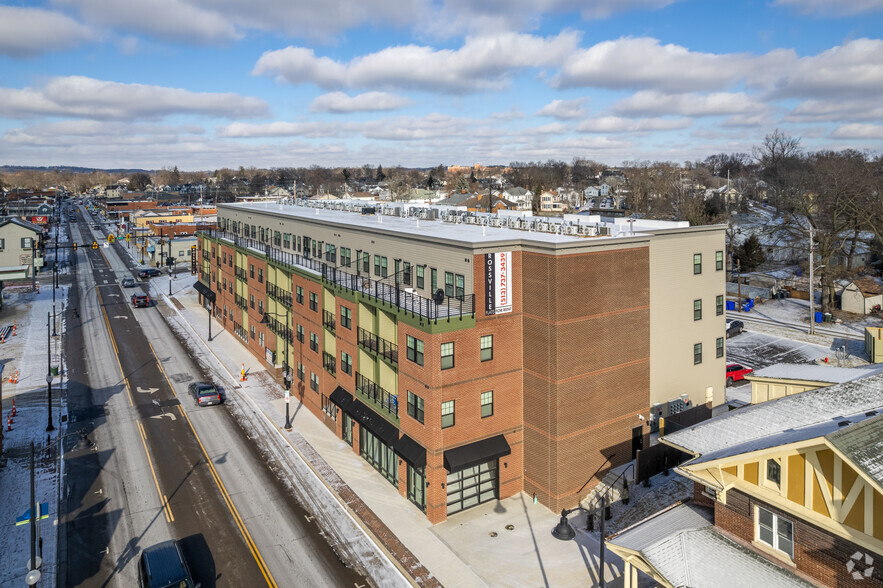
<point x="474" y="356"/>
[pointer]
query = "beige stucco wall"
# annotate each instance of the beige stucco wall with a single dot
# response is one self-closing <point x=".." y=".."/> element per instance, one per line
<point x="12" y="253"/>
<point x="673" y="288"/>
<point x="770" y="389"/>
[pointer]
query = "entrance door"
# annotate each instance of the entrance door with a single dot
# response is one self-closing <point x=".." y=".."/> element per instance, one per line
<point x="417" y="487"/>
<point x="637" y="440"/>
<point x="472" y="486"/>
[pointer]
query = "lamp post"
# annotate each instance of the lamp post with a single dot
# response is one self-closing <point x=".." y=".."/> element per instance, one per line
<point x="565" y="532"/>
<point x="49" y="426"/>
<point x="286" y="380"/>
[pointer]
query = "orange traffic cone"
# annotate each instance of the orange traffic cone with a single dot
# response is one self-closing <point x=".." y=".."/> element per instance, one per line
<point x="242" y="376"/>
<point x="13" y="407"/>
<point x="8" y="424"/>
<point x="10" y="378"/>
<point x="15" y="379"/>
<point x="13" y="328"/>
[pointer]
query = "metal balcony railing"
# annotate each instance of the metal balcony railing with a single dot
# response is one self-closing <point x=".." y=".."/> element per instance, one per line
<point x="241" y="273"/>
<point x="279" y="295"/>
<point x="329" y="362"/>
<point x="240" y="302"/>
<point x="328" y="320"/>
<point x="378" y="345"/>
<point x="393" y="295"/>
<point x="381" y="397"/>
<point x="279" y="328"/>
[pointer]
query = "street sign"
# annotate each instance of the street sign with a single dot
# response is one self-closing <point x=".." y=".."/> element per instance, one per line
<point x="42" y="513"/>
<point x="287" y="396"/>
<point x="94" y="244"/>
<point x="106" y="245"/>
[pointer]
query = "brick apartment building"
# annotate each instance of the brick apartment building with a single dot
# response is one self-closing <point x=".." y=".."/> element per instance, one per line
<point x="472" y="357"/>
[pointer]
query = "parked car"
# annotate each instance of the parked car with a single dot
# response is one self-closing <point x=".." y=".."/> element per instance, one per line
<point x="205" y="394"/>
<point x="737" y="372"/>
<point x="734" y="328"/>
<point x="163" y="566"/>
<point x="128" y="282"/>
<point x="140" y="300"/>
<point x="148" y="273"/>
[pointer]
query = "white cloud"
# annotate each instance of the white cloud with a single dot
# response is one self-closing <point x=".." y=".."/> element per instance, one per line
<point x="481" y="63"/>
<point x="339" y="102"/>
<point x="652" y="103"/>
<point x="837" y="110"/>
<point x="748" y="120"/>
<point x="281" y="129"/>
<point x="564" y="109"/>
<point x="25" y="32"/>
<point x="615" y="124"/>
<point x="92" y="133"/>
<point x="858" y="131"/>
<point x="833" y="8"/>
<point x="77" y="96"/>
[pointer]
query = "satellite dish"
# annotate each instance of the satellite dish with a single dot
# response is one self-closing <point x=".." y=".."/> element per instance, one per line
<point x="439" y="296"/>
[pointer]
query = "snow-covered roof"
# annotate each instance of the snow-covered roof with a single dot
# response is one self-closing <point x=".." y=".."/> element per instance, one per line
<point x="702" y="555"/>
<point x="862" y="443"/>
<point x="790" y="419"/>
<point x="815" y="373"/>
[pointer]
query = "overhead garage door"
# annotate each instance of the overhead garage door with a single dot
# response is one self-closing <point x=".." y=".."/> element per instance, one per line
<point x="471" y="486"/>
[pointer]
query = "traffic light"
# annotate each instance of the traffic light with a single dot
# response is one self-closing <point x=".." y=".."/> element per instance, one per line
<point x="94" y="244"/>
<point x="128" y="236"/>
<point x="111" y="238"/>
<point x="75" y="246"/>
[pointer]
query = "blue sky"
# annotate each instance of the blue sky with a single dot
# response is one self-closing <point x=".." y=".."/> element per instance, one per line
<point x="204" y="84"/>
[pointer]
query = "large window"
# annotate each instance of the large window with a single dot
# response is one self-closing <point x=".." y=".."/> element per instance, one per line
<point x="719" y="305"/>
<point x="415" y="349"/>
<point x="346" y="363"/>
<point x="718" y="260"/>
<point x="345" y="256"/>
<point x="346" y="317"/>
<point x="366" y="262"/>
<point x="697" y="310"/>
<point x="406" y="273"/>
<point x="381" y="266"/>
<point x="449" y="284"/>
<point x="459" y="286"/>
<point x="433" y="280"/>
<point x="415" y="407"/>
<point x="314" y="382"/>
<point x="299" y="294"/>
<point x="330" y="253"/>
<point x="719" y="347"/>
<point x="487" y="404"/>
<point x="697" y="263"/>
<point x="447" y="414"/>
<point x="314" y="342"/>
<point x="300" y="333"/>
<point x="697" y="353"/>
<point x="775" y="531"/>
<point x="377" y="265"/>
<point x="420" y="270"/>
<point x="314" y="301"/>
<point x="447" y="356"/>
<point x="487" y="347"/>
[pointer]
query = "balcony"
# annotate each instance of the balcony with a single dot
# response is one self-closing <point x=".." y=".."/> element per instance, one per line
<point x="378" y="346"/>
<point x="381" y="398"/>
<point x="206" y="256"/>
<point x="328" y="320"/>
<point x="329" y="362"/>
<point x="240" y="331"/>
<point x="240" y="302"/>
<point x="279" y="295"/>
<point x="241" y="274"/>
<point x="280" y="328"/>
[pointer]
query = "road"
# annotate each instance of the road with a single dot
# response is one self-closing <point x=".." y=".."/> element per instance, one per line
<point x="161" y="467"/>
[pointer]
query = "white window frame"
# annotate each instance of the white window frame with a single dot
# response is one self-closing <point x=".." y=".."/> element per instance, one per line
<point x="774" y="530"/>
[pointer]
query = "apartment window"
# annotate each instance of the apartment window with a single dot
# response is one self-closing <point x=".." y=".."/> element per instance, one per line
<point x="433" y="280"/>
<point x="697" y="310"/>
<point x="718" y="260"/>
<point x="286" y="240"/>
<point x="366" y="262"/>
<point x="697" y="353"/>
<point x="314" y="342"/>
<point x="260" y="307"/>
<point x="697" y="263"/>
<point x="330" y="253"/>
<point x="251" y="271"/>
<point x="773" y="471"/>
<point x="719" y="347"/>
<point x="345" y="256"/>
<point x="775" y="531"/>
<point x="447" y="414"/>
<point x="299" y="294"/>
<point x="314" y="382"/>
<point x="487" y="347"/>
<point x="383" y="267"/>
<point x="300" y="371"/>
<point x="300" y="333"/>
<point x="261" y="338"/>
<point x="314" y="301"/>
<point x="260" y="276"/>
<point x="346" y="363"/>
<point x="251" y="301"/>
<point x="719" y="305"/>
<point x="415" y="407"/>
<point x="487" y="404"/>
<point x="420" y="271"/>
<point x="346" y="317"/>
<point x="406" y="273"/>
<point x="377" y="265"/>
<point x="224" y="256"/>
<point x="415" y="349"/>
<point x="459" y="286"/>
<point x="449" y="284"/>
<point x="252" y="332"/>
<point x="447" y="355"/>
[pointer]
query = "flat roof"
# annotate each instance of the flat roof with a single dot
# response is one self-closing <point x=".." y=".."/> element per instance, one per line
<point x="464" y="231"/>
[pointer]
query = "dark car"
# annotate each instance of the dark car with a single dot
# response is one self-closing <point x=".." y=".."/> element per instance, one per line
<point x="205" y="394"/>
<point x="736" y="373"/>
<point x="163" y="566"/>
<point x="148" y="273"/>
<point x="734" y="328"/>
<point x="140" y="300"/>
<point x="128" y="283"/>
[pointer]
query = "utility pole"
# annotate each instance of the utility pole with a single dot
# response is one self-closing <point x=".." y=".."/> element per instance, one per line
<point x="812" y="290"/>
<point x="739" y="284"/>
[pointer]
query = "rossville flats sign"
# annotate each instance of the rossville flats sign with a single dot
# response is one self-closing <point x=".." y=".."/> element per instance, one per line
<point x="498" y="283"/>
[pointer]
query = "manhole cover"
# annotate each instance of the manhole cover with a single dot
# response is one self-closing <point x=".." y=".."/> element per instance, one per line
<point x="510" y="527"/>
<point x="493" y="533"/>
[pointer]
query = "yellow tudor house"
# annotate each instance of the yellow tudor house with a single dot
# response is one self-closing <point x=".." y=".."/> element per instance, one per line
<point x="791" y="486"/>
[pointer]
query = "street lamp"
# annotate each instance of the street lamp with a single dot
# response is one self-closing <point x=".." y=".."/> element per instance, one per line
<point x="285" y="376"/>
<point x="49" y="426"/>
<point x="565" y="532"/>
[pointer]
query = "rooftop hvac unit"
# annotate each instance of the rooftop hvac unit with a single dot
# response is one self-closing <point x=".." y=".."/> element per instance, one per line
<point x="543" y="227"/>
<point x="572" y="230"/>
<point x="496" y="222"/>
<point x="470" y="220"/>
<point x="604" y="231"/>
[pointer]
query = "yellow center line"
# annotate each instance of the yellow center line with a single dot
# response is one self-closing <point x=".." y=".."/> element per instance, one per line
<point x="116" y="351"/>
<point x="226" y="495"/>
<point x="167" y="508"/>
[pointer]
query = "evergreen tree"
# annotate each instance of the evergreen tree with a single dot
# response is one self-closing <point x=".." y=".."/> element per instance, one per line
<point x="750" y="254"/>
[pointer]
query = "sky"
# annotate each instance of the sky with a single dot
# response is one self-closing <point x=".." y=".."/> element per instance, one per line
<point x="205" y="84"/>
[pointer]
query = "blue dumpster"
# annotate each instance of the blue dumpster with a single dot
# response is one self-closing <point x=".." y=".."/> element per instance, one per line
<point x="731" y="305"/>
<point x="819" y="317"/>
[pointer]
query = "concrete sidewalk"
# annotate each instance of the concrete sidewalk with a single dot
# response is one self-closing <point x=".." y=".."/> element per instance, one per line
<point x="501" y="543"/>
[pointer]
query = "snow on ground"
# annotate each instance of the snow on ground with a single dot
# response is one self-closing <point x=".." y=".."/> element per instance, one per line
<point x="26" y="354"/>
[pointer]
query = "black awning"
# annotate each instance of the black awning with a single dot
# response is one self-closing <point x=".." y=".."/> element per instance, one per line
<point x="341" y="397"/>
<point x="205" y="291"/>
<point x="466" y="456"/>
<point x="411" y="451"/>
<point x="385" y="430"/>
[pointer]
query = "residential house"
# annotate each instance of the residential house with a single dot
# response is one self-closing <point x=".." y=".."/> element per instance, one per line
<point x="480" y="204"/>
<point x="785" y="379"/>
<point x="522" y="197"/>
<point x="862" y="296"/>
<point x="796" y="489"/>
<point x="19" y="241"/>
<point x="550" y="202"/>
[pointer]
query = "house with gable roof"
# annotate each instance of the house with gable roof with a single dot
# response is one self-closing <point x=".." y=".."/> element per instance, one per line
<point x="862" y="296"/>
<point x="795" y="490"/>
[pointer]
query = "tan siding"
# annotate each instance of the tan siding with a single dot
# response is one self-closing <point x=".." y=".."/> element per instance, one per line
<point x="796" y="479"/>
